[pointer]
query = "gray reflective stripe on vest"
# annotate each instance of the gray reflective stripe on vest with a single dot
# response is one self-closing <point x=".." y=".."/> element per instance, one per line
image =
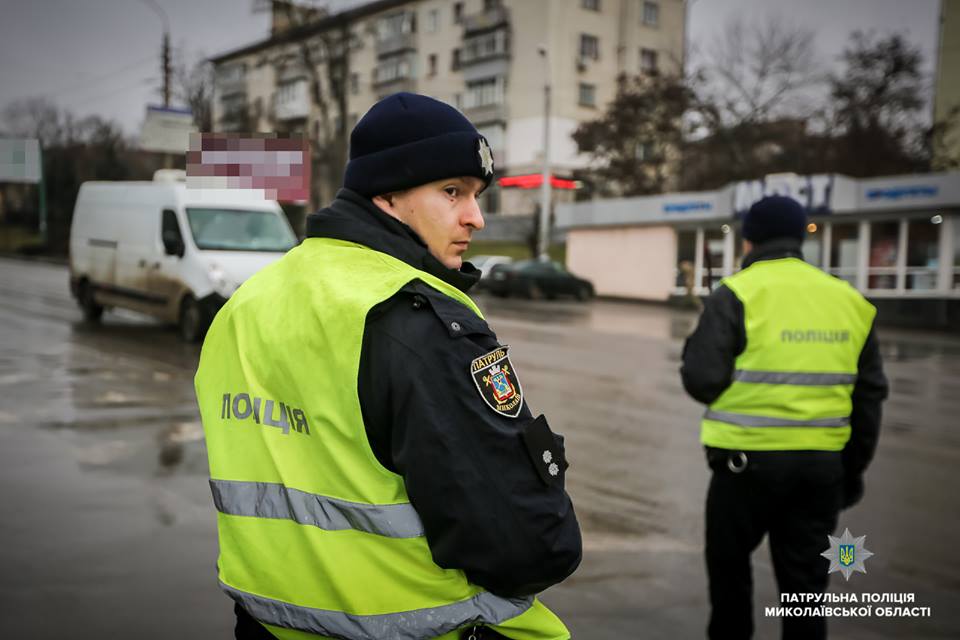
<point x="797" y="378"/>
<point x="747" y="420"/>
<point x="273" y="500"/>
<point x="405" y="625"/>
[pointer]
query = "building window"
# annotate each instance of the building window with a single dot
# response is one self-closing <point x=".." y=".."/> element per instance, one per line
<point x="432" y="64"/>
<point x="648" y="61"/>
<point x="651" y="14"/>
<point x="954" y="221"/>
<point x="589" y="47"/>
<point x="813" y="245"/>
<point x="588" y="95"/>
<point x="686" y="260"/>
<point x="433" y="20"/>
<point x="490" y="5"/>
<point x="923" y="250"/>
<point x="457" y="12"/>
<point x="455" y="61"/>
<point x="458" y="101"/>
<point x="844" y="249"/>
<point x="645" y="152"/>
<point x="590" y="5"/>
<point x="354" y="83"/>
<point x="484" y="93"/>
<point x="712" y="258"/>
<point x="884" y="249"/>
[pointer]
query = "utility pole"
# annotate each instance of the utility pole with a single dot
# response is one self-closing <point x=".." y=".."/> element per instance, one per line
<point x="166" y="69"/>
<point x="164" y="65"/>
<point x="165" y="54"/>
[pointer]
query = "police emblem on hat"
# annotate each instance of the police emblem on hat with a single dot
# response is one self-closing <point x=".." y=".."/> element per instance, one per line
<point x="486" y="157"/>
<point x="497" y="382"/>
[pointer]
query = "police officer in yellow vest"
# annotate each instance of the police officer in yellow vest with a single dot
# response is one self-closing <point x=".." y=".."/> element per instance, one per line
<point x="375" y="466"/>
<point x="786" y="358"/>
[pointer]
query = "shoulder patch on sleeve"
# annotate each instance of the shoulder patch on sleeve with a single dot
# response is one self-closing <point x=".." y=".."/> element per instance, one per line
<point x="497" y="382"/>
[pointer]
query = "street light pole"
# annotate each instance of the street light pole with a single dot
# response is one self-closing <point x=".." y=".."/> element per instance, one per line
<point x="544" y="235"/>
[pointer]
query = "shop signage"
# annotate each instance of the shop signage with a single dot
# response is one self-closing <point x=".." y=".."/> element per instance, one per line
<point x="686" y="207"/>
<point x="813" y="192"/>
<point x="908" y="191"/>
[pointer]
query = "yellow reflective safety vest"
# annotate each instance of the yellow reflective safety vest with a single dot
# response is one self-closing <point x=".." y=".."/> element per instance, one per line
<point x="316" y="537"/>
<point x="792" y="384"/>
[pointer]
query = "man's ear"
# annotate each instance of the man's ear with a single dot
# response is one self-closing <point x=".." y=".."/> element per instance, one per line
<point x="387" y="204"/>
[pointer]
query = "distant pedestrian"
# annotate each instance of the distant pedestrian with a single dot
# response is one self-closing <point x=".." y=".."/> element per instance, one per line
<point x="787" y="359"/>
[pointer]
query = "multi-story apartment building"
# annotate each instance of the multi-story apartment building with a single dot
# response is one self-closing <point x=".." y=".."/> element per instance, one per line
<point x="947" y="88"/>
<point x="318" y="73"/>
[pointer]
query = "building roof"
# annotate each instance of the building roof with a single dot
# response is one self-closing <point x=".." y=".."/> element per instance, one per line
<point x="297" y="33"/>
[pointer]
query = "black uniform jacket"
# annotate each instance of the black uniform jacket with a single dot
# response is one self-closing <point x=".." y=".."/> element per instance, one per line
<point x="485" y="506"/>
<point x="710" y="351"/>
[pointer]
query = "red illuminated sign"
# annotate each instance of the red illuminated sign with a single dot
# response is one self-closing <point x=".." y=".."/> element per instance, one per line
<point x="534" y="180"/>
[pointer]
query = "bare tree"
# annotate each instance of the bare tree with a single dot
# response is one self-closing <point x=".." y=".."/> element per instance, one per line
<point x="757" y="90"/>
<point x="322" y="52"/>
<point x="759" y="70"/>
<point x="634" y="142"/>
<point x="35" y="117"/>
<point x="879" y="108"/>
<point x="193" y="87"/>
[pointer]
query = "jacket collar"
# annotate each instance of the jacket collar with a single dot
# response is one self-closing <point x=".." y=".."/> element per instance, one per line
<point x="354" y="218"/>
<point x="773" y="250"/>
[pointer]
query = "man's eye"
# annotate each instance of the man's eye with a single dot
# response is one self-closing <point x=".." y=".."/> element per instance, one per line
<point x="451" y="191"/>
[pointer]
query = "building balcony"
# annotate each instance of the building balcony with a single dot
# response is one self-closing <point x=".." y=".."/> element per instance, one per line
<point x="486" y="114"/>
<point x="385" y="88"/>
<point x="394" y="70"/>
<point x="234" y="119"/>
<point x="486" y="21"/>
<point x="292" y="110"/>
<point x="232" y="87"/>
<point x="292" y="100"/>
<point x="489" y="46"/>
<point x="397" y="44"/>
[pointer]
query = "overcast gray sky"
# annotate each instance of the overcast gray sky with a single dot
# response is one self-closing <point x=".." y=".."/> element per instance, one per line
<point x="102" y="56"/>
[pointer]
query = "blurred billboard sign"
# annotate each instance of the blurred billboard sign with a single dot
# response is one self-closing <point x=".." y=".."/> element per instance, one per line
<point x="167" y="130"/>
<point x="20" y="160"/>
<point x="279" y="166"/>
<point x="815" y="193"/>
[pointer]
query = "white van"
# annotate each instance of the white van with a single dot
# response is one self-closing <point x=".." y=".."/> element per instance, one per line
<point x="168" y="251"/>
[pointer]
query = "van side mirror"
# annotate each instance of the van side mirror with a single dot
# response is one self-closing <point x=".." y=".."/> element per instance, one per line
<point x="170" y="234"/>
<point x="173" y="243"/>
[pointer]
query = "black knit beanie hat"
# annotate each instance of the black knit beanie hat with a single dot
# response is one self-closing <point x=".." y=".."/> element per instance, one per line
<point x="407" y="140"/>
<point x="775" y="217"/>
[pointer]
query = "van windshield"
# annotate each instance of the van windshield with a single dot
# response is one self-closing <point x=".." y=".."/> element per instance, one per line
<point x="239" y="230"/>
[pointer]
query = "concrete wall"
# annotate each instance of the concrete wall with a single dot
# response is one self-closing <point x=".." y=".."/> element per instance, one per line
<point x="636" y="262"/>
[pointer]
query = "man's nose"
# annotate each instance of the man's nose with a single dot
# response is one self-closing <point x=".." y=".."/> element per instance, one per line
<point x="472" y="217"/>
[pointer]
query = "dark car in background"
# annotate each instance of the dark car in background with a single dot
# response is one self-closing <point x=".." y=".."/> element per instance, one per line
<point x="486" y="264"/>
<point x="536" y="279"/>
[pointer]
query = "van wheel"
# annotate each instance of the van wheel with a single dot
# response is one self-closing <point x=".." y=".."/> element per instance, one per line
<point x="192" y="322"/>
<point x="92" y="312"/>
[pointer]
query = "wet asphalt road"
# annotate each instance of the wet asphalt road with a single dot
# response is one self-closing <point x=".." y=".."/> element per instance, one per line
<point x="108" y="530"/>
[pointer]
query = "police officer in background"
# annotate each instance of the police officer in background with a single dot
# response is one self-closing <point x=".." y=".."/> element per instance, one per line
<point x="376" y="468"/>
<point x="786" y="358"/>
